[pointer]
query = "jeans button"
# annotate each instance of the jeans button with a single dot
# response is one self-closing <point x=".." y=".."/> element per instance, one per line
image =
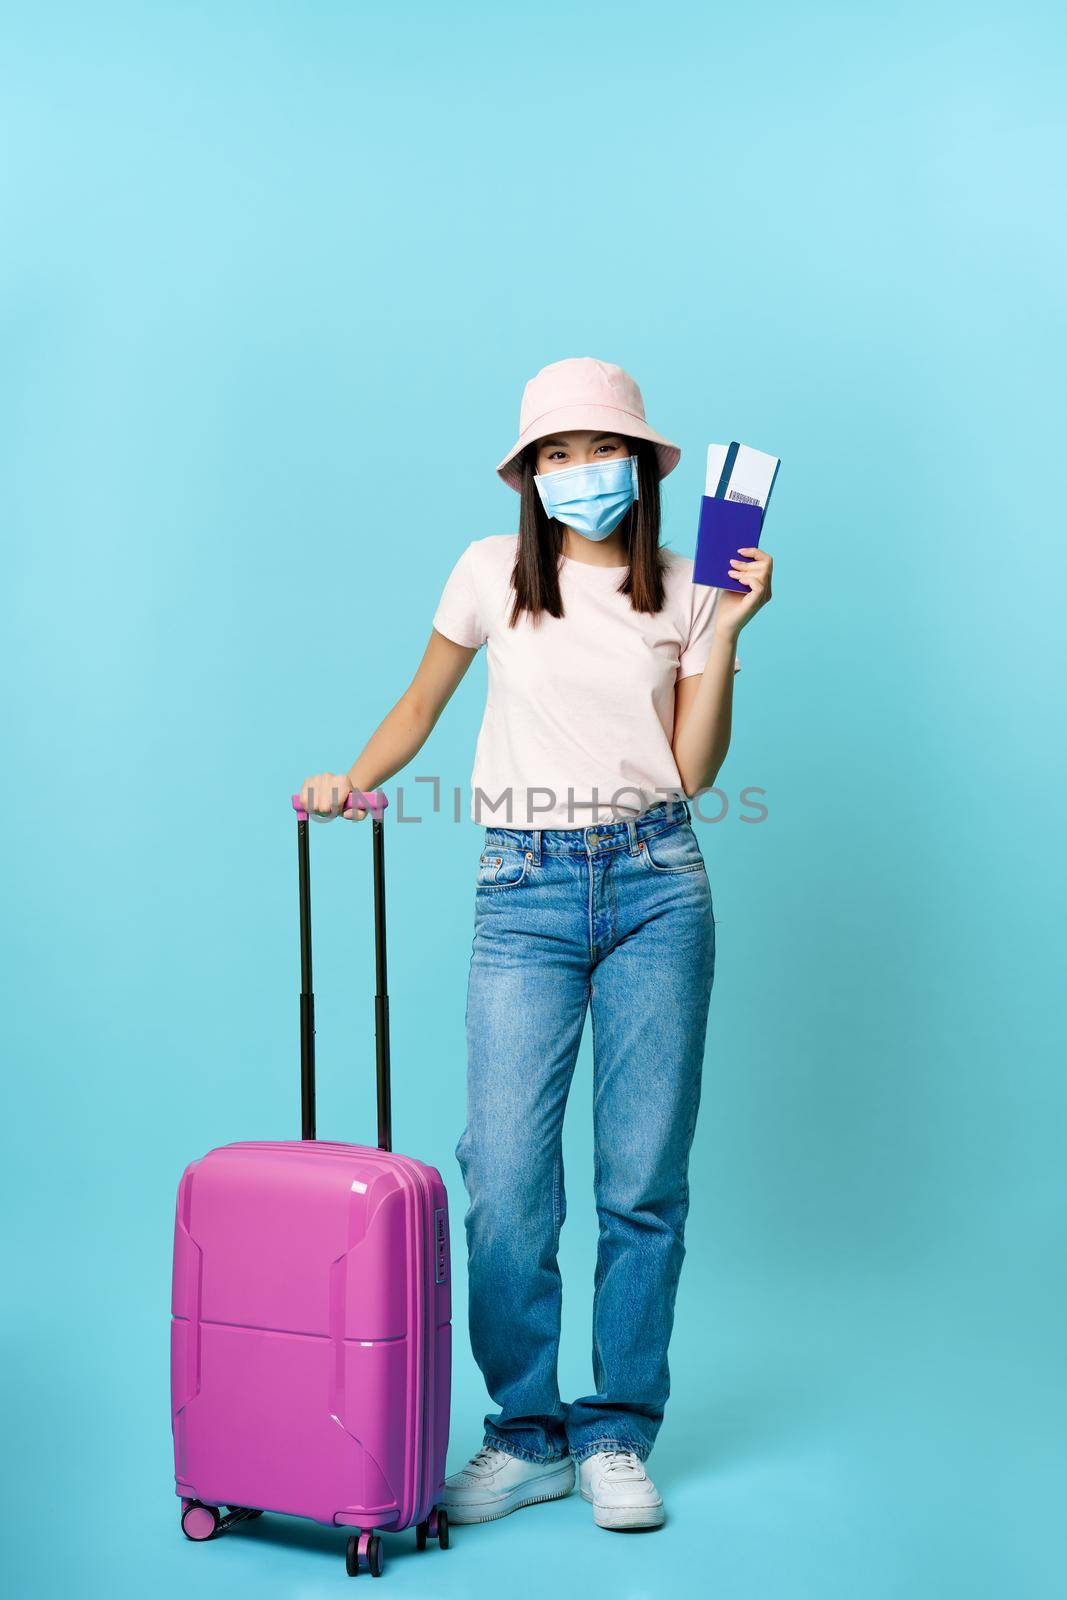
<point x="594" y="840"/>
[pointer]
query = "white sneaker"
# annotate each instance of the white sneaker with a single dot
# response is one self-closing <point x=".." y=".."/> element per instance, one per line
<point x="622" y="1493"/>
<point x="494" y="1483"/>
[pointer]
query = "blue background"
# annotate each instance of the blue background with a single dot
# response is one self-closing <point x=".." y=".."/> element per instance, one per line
<point x="273" y="276"/>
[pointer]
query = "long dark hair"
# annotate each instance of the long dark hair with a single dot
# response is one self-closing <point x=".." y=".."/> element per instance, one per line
<point x="535" y="576"/>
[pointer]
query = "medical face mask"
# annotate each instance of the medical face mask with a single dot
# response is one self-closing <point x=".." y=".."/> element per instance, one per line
<point x="592" y="500"/>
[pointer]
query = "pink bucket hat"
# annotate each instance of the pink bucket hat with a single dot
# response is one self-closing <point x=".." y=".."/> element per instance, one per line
<point x="583" y="393"/>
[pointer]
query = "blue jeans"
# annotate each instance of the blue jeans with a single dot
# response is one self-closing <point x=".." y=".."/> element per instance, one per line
<point x="616" y="918"/>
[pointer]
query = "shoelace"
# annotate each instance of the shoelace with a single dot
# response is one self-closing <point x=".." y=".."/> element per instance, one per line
<point x="482" y="1457"/>
<point x="620" y="1458"/>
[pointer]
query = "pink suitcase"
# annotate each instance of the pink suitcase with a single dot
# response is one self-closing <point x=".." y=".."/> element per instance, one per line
<point x="311" y="1328"/>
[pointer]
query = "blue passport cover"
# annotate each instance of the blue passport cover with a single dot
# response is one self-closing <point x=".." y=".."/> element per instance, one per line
<point x="725" y="525"/>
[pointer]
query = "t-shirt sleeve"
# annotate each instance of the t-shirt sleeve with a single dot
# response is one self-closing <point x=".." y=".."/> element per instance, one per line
<point x="458" y="615"/>
<point x="694" y="652"/>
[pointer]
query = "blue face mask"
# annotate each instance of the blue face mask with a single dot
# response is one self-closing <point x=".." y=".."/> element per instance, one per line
<point x="592" y="500"/>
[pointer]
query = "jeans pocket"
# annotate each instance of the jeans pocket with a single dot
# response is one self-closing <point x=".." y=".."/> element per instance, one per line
<point x="501" y="868"/>
<point x="675" y="850"/>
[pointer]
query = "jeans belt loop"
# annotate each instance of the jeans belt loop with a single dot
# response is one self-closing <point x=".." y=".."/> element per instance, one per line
<point x="537" y="846"/>
<point x="631" y="829"/>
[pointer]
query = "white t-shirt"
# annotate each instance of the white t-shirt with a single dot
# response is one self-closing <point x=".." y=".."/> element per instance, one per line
<point x="580" y="711"/>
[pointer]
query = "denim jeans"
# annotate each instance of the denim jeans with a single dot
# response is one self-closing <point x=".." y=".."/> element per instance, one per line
<point x="616" y="918"/>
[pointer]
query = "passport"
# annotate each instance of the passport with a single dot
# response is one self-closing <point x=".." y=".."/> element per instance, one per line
<point x="737" y="492"/>
<point x="725" y="525"/>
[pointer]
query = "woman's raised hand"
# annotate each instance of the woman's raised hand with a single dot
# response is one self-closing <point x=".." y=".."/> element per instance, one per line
<point x="323" y="797"/>
<point x="736" y="609"/>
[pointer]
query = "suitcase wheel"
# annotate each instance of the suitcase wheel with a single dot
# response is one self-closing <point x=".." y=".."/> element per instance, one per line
<point x="365" y="1547"/>
<point x="199" y="1521"/>
<point x="437" y="1527"/>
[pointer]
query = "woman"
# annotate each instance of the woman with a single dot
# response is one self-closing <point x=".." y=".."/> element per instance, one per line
<point x="610" y="690"/>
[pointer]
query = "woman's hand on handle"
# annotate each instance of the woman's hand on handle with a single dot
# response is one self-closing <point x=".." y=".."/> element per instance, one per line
<point x="323" y="797"/>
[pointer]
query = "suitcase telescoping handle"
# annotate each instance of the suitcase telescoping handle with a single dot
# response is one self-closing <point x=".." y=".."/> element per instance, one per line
<point x="374" y="803"/>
